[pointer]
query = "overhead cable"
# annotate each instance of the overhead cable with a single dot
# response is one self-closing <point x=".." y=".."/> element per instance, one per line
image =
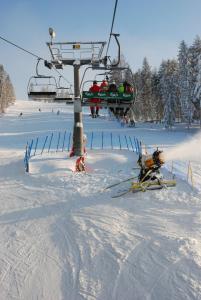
<point x="114" y="13"/>
<point x="15" y="45"/>
<point x="31" y="53"/>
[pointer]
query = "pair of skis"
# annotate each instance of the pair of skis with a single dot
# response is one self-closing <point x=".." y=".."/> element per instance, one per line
<point x="147" y="185"/>
<point x="142" y="186"/>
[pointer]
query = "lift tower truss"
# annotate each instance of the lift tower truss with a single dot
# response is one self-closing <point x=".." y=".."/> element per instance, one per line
<point x="76" y="54"/>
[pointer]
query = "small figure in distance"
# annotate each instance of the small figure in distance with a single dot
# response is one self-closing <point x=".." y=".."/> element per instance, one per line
<point x="94" y="89"/>
<point x="39" y="109"/>
<point x="58" y="112"/>
<point x="20" y="115"/>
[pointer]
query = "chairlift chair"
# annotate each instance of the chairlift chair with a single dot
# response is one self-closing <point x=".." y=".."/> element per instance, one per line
<point x="42" y="88"/>
<point x="107" y="98"/>
<point x="63" y="93"/>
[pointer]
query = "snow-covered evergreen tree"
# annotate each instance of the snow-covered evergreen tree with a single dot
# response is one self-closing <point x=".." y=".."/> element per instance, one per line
<point x="7" y="95"/>
<point x="197" y="91"/>
<point x="183" y="81"/>
<point x="146" y="91"/>
<point x="138" y="105"/>
<point x="169" y="89"/>
<point x="157" y="102"/>
<point x="193" y="73"/>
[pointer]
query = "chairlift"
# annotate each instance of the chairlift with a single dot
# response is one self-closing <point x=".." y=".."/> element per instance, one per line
<point x="41" y="87"/>
<point x="111" y="99"/>
<point x="63" y="94"/>
<point x="108" y="98"/>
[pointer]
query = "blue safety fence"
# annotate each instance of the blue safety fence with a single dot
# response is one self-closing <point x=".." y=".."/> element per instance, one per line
<point x="62" y="141"/>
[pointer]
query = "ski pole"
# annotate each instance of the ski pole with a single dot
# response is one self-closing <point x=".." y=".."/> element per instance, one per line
<point x="117" y="183"/>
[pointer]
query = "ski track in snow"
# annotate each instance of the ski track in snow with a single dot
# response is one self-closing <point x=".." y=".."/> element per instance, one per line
<point x="64" y="237"/>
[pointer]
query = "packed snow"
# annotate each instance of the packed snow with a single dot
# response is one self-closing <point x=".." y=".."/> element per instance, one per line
<point x="63" y="235"/>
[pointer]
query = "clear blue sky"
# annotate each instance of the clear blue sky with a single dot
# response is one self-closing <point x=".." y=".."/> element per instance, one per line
<point x="151" y="28"/>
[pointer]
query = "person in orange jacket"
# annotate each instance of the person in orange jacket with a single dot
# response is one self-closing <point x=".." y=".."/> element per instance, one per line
<point x="94" y="89"/>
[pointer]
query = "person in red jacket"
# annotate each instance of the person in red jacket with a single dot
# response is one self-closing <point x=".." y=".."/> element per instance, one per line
<point x="104" y="86"/>
<point x="94" y="89"/>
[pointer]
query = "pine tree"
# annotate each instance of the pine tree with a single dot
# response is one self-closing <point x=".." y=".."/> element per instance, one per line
<point x="183" y="81"/>
<point x="158" y="104"/>
<point x="138" y="105"/>
<point x="146" y="91"/>
<point x="197" y="92"/>
<point x="170" y="92"/>
<point x="193" y="72"/>
<point x="7" y="95"/>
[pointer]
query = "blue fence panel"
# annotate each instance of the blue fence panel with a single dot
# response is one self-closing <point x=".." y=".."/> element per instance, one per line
<point x="69" y="141"/>
<point x="92" y="137"/>
<point x="51" y="137"/>
<point x="26" y="159"/>
<point x="36" y="145"/>
<point x="126" y="140"/>
<point x="120" y="147"/>
<point x="111" y="137"/>
<point x="44" y="144"/>
<point x="30" y="148"/>
<point x="135" y="143"/>
<point x="58" y="141"/>
<point x="131" y="144"/>
<point x="98" y="140"/>
<point x="64" y="140"/>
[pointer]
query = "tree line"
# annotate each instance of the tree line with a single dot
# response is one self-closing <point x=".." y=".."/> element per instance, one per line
<point x="7" y="93"/>
<point x="170" y="93"/>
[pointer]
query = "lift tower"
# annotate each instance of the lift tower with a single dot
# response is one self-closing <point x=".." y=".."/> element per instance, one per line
<point x="76" y="54"/>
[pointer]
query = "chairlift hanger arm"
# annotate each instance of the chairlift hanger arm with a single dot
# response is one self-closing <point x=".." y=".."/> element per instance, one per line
<point x="81" y="83"/>
<point x="37" y="67"/>
<point x="119" y="49"/>
<point x="106" y="58"/>
<point x="37" y="72"/>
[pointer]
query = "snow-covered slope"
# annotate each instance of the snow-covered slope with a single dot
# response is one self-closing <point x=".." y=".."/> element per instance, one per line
<point x="63" y="236"/>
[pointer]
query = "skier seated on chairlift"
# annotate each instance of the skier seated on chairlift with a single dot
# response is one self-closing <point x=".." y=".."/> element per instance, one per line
<point x="113" y="87"/>
<point x="104" y="86"/>
<point x="121" y="88"/>
<point x="127" y="87"/>
<point x="150" y="166"/>
<point x="94" y="89"/>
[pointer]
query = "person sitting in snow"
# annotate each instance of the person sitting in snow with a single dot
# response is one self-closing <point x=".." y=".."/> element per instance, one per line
<point x="80" y="164"/>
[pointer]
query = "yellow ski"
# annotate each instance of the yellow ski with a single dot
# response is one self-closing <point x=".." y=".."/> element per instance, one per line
<point x="143" y="186"/>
